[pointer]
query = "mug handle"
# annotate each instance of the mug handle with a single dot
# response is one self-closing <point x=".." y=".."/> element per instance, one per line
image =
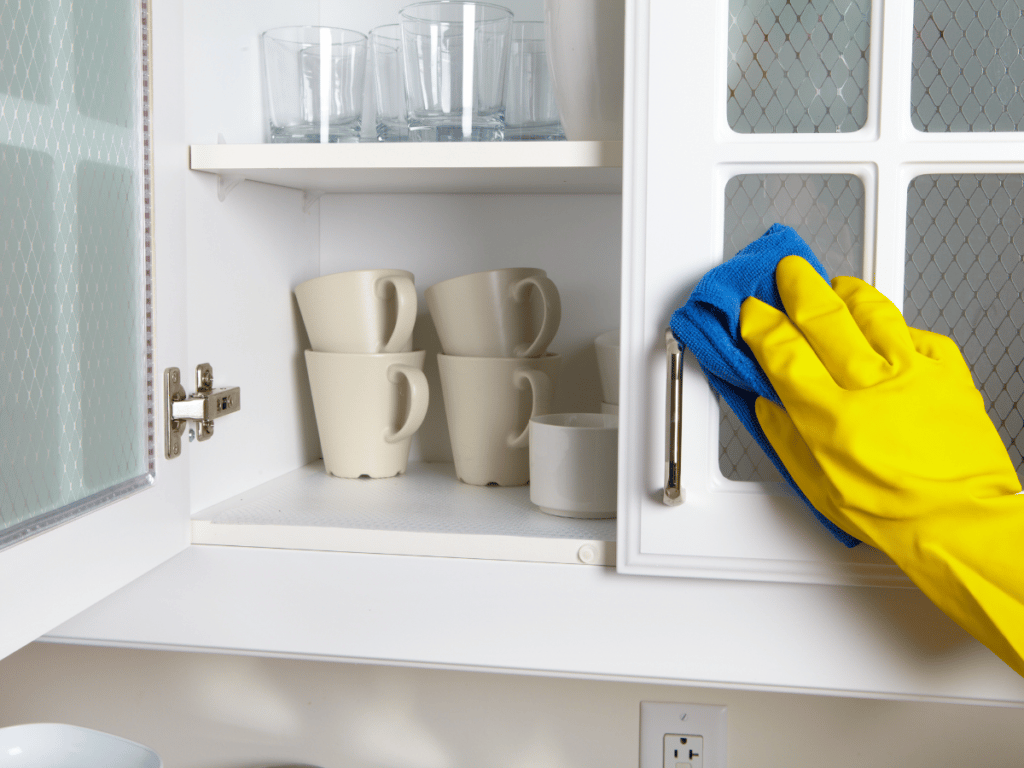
<point x="419" y="397"/>
<point x="552" y="314"/>
<point x="540" y="388"/>
<point x="406" y="293"/>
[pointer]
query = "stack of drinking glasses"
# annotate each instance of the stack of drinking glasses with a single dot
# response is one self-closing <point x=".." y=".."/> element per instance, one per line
<point x="314" y="83"/>
<point x="369" y="392"/>
<point x="388" y="83"/>
<point x="496" y="373"/>
<point x="454" y="70"/>
<point x="531" y="112"/>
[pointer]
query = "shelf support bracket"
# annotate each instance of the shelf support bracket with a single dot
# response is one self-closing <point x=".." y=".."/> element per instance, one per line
<point x="309" y="198"/>
<point x="225" y="183"/>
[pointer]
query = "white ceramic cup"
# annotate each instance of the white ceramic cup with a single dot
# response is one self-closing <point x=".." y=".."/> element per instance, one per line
<point x="574" y="464"/>
<point x="367" y="409"/>
<point x="491" y="314"/>
<point x="365" y="311"/>
<point x="607" y="347"/>
<point x="586" y="44"/>
<point x="489" y="402"/>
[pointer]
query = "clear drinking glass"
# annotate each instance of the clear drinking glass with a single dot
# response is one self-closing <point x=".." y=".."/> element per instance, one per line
<point x="531" y="112"/>
<point x="313" y="98"/>
<point x="388" y="83"/>
<point x="456" y="59"/>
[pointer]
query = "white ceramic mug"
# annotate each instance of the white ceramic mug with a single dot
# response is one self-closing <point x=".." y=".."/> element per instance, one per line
<point x="574" y="464"/>
<point x="489" y="402"/>
<point x="367" y="409"/>
<point x="607" y="347"/>
<point x="365" y="311"/>
<point x="491" y="314"/>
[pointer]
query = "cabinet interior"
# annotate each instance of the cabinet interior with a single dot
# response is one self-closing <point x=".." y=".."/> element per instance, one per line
<point x="433" y="236"/>
<point x="436" y="211"/>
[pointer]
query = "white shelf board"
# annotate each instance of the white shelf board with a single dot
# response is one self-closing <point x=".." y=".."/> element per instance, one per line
<point x="425" y="511"/>
<point x="525" y="167"/>
<point x="549" y="619"/>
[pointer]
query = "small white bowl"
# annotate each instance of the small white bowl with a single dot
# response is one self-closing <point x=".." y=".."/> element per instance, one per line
<point x="573" y="464"/>
<point x="55" y="745"/>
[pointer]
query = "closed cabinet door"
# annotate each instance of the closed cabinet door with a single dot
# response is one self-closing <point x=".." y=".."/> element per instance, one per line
<point x="888" y="135"/>
<point x="91" y="291"/>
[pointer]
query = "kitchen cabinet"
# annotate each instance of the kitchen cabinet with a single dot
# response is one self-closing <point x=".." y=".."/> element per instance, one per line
<point x="70" y="567"/>
<point x="856" y="124"/>
<point x="420" y="570"/>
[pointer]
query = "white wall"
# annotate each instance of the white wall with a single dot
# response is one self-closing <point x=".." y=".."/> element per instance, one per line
<point x="210" y="711"/>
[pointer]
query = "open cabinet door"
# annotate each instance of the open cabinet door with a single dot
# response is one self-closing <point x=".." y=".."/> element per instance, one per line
<point x="888" y="135"/>
<point x="93" y="303"/>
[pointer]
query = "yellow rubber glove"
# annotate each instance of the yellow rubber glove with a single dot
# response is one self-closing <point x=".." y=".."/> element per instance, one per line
<point x="886" y="434"/>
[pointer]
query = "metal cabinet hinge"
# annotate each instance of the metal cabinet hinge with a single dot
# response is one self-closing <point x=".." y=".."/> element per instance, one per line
<point x="201" y="408"/>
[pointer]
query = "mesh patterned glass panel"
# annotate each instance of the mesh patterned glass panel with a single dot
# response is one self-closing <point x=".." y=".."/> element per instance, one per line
<point x="75" y="361"/>
<point x="798" y="66"/>
<point x="964" y="277"/>
<point x="968" y="65"/>
<point x="827" y="211"/>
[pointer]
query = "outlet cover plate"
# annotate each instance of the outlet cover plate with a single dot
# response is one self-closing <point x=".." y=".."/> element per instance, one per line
<point x="704" y="720"/>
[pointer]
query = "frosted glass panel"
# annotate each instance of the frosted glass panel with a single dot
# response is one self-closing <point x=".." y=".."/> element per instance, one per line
<point x="827" y="211"/>
<point x="964" y="277"/>
<point x="798" y="66"/>
<point x="26" y="60"/>
<point x="968" y="65"/>
<point x="105" y="77"/>
<point x="29" y="342"/>
<point x="113" y="361"/>
<point x="75" y="400"/>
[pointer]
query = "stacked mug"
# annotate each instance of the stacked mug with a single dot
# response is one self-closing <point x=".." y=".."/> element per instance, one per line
<point x="369" y="392"/>
<point x="607" y="347"/>
<point x="496" y="372"/>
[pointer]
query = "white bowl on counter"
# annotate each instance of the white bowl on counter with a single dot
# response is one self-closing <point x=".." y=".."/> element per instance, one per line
<point x="56" y="745"/>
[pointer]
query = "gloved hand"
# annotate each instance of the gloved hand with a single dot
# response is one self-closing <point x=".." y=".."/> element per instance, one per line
<point x="886" y="434"/>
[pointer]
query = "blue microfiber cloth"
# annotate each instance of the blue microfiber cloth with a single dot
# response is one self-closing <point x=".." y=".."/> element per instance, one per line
<point x="709" y="325"/>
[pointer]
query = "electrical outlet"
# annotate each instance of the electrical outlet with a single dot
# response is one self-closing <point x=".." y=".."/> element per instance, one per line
<point x="682" y="735"/>
<point x="683" y="751"/>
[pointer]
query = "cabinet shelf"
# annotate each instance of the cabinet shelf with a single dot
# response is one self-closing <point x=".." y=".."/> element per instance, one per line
<point x="425" y="511"/>
<point x="557" y="167"/>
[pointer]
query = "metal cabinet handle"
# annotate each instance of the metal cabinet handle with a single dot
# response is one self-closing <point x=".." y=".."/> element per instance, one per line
<point x="674" y="494"/>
